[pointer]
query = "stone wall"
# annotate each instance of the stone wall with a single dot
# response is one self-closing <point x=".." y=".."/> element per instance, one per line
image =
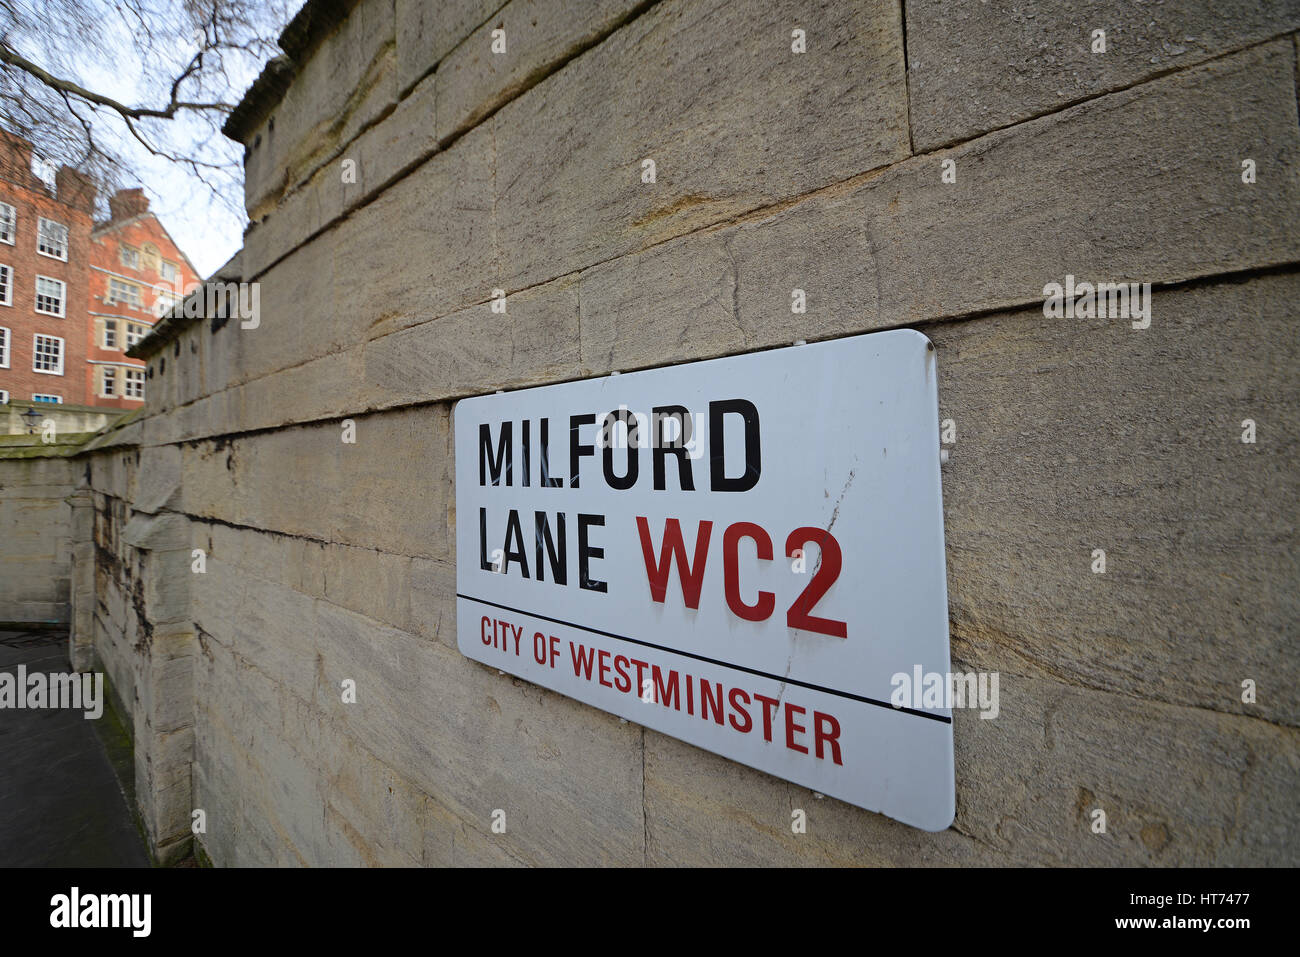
<point x="67" y="418"/>
<point x="398" y="172"/>
<point x="89" y="540"/>
<point x="35" y="535"/>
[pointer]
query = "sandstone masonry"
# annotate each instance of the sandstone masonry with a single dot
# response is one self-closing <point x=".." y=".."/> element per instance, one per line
<point x="472" y="171"/>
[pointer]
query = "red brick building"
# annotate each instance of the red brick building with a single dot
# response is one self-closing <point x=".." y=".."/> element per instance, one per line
<point x="44" y="279"/>
<point x="136" y="274"/>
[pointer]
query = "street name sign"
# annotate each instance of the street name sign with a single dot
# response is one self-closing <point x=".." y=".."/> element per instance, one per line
<point x="741" y="553"/>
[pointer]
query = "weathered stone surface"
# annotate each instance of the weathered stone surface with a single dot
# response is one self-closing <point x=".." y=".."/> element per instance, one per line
<point x="536" y="340"/>
<point x="81" y="598"/>
<point x="1130" y="440"/>
<point x="167" y="696"/>
<point x="297" y="217"/>
<point x="166" y="531"/>
<point x="328" y="561"/>
<point x="164" y="803"/>
<point x="190" y="364"/>
<point x="385" y="150"/>
<point x="905" y="247"/>
<point x="308" y="482"/>
<point x="476" y="742"/>
<point x="263" y="622"/>
<point x="262" y="800"/>
<point x="713" y="94"/>
<point x="425" y="247"/>
<point x="628" y="322"/>
<point x="974" y="67"/>
<point x="1180" y="209"/>
<point x="346" y="83"/>
<point x="166" y="579"/>
<point x="379" y="155"/>
<point x="540" y="35"/>
<point x="451" y="841"/>
<point x="343" y="754"/>
<point x="297" y="320"/>
<point x="865" y="254"/>
<point x="427" y="32"/>
<point x="1180" y="786"/>
<point x="35" y="539"/>
<point x="114" y="655"/>
<point x="432" y="588"/>
<point x="703" y="810"/>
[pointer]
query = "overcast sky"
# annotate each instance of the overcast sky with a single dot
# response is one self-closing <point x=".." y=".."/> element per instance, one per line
<point x="208" y="229"/>
<point x="207" y="232"/>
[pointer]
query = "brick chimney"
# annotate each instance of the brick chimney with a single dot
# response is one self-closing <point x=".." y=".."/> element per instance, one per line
<point x="126" y="203"/>
<point x="75" y="189"/>
<point x="15" y="159"/>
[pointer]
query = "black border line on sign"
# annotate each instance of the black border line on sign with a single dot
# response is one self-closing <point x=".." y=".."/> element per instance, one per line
<point x="713" y="661"/>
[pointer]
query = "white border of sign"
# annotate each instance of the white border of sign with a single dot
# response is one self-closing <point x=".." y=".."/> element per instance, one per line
<point x="845" y="441"/>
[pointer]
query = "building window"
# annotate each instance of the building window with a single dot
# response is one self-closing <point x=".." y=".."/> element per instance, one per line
<point x="4" y="397"/>
<point x="50" y="295"/>
<point x="108" y="386"/>
<point x="8" y="223"/>
<point x="169" y="271"/>
<point x="130" y="257"/>
<point x="45" y="397"/>
<point x="135" y="332"/>
<point x="110" y="333"/>
<point x="6" y="286"/>
<point x="135" y="383"/>
<point x="47" y="355"/>
<point x="126" y="292"/>
<point x="52" y="239"/>
<point x="4" y="347"/>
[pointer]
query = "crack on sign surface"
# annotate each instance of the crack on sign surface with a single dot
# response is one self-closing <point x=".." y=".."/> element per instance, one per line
<point x="835" y="514"/>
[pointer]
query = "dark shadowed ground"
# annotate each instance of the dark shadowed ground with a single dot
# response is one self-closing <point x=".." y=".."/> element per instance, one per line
<point x="61" y="804"/>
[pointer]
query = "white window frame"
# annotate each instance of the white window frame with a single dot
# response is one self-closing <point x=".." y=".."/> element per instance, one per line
<point x="49" y="397"/>
<point x="7" y="296"/>
<point x="108" y="382"/>
<point x="110" y="325"/>
<point x="6" y="346"/>
<point x="175" y="268"/>
<point x="133" y="377"/>
<point x="4" y="397"/>
<point x="40" y="238"/>
<point x="8" y="224"/>
<point x="122" y="257"/>
<point x="36" y="353"/>
<point x="63" y="297"/>
<point x="131" y="326"/>
<point x="137" y="303"/>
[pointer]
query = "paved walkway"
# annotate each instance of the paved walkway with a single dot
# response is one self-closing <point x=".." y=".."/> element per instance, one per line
<point x="61" y="804"/>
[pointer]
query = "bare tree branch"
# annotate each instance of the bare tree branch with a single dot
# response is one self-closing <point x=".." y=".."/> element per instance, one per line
<point x="130" y="112"/>
<point x="111" y="87"/>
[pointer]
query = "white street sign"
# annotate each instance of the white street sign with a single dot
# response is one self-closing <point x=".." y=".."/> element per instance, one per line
<point x="741" y="553"/>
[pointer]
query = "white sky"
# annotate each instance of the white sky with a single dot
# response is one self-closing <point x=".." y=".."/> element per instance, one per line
<point x="208" y="230"/>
